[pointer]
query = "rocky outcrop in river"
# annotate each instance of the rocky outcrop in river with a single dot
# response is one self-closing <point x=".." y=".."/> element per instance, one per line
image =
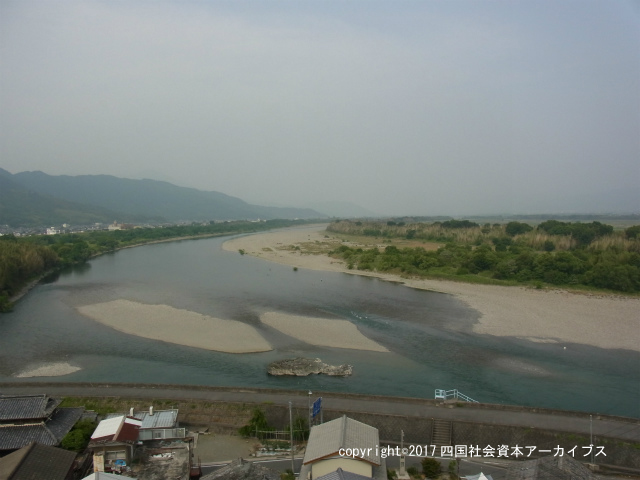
<point x="302" y="367"/>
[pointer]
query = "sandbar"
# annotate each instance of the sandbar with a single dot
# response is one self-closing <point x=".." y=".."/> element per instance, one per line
<point x="323" y="332"/>
<point x="56" y="369"/>
<point x="549" y="316"/>
<point x="172" y="325"/>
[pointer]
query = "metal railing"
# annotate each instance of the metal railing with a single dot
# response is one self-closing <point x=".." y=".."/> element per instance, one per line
<point x="447" y="394"/>
<point x="162" y="433"/>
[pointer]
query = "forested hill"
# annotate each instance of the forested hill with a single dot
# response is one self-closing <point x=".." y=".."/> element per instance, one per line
<point x="151" y="198"/>
<point x="22" y="207"/>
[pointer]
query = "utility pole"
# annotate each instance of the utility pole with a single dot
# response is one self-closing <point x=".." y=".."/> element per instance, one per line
<point x="310" y="417"/>
<point x="291" y="432"/>
<point x="402" y="474"/>
<point x="591" y="436"/>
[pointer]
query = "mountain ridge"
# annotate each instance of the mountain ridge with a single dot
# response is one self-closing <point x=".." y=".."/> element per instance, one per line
<point x="148" y="198"/>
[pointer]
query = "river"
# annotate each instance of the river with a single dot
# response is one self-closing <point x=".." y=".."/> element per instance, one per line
<point x="428" y="334"/>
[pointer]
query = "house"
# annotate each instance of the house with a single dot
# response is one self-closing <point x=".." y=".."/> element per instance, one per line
<point x="328" y="443"/>
<point x="38" y="461"/>
<point x="157" y="424"/>
<point x="112" y="443"/>
<point x="33" y="418"/>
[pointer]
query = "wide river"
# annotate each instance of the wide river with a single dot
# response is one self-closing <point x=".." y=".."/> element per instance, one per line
<point x="428" y="334"/>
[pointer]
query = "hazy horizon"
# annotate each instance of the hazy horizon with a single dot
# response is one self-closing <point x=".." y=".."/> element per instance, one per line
<point x="403" y="107"/>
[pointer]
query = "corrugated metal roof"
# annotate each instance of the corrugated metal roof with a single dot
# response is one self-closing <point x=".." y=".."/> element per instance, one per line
<point x="159" y="419"/>
<point x="26" y="407"/>
<point x="327" y="439"/>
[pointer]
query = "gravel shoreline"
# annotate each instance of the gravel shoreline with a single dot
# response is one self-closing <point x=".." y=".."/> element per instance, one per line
<point x="549" y="316"/>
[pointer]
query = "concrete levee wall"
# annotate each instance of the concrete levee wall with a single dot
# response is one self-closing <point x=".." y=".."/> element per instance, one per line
<point x="418" y="431"/>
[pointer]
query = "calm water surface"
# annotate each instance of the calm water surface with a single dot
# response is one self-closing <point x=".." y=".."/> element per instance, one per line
<point x="428" y="334"/>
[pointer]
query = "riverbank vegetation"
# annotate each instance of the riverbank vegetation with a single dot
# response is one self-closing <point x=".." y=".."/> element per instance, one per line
<point x="553" y="253"/>
<point x="24" y="259"/>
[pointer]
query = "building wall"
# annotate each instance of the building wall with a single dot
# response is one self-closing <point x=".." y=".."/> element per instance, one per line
<point x="102" y="454"/>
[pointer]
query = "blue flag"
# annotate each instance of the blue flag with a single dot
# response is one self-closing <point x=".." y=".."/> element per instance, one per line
<point x="317" y="405"/>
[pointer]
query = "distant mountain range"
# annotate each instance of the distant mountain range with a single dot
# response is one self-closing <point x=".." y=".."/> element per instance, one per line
<point x="35" y="198"/>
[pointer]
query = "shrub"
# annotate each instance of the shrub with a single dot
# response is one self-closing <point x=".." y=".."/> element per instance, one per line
<point x="431" y="467"/>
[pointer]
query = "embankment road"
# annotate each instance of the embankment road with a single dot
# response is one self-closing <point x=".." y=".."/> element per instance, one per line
<point x="622" y="428"/>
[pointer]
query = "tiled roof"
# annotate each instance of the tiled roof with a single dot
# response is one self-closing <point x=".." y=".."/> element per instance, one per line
<point x="26" y="407"/>
<point x="38" y="462"/>
<point x="63" y="420"/>
<point x="327" y="439"/>
<point x="17" y="436"/>
<point x="52" y="432"/>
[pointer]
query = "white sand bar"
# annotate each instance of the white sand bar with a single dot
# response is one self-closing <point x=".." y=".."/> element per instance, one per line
<point x="168" y="324"/>
<point x="321" y="331"/>
<point x="56" y="369"/>
<point x="554" y="316"/>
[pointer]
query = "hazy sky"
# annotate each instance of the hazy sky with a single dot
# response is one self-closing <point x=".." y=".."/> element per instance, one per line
<point x="403" y="107"/>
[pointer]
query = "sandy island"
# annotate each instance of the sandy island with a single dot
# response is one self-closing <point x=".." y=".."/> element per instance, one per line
<point x="168" y="324"/>
<point x="553" y="316"/>
<point x="57" y="369"/>
<point x="321" y="331"/>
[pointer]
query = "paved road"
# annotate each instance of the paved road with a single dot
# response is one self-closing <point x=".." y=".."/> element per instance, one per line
<point x="574" y="422"/>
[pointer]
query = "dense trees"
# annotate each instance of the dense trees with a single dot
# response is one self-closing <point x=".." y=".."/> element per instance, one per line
<point x="547" y="255"/>
<point x="20" y="261"/>
<point x="516" y="228"/>
<point x="584" y="233"/>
